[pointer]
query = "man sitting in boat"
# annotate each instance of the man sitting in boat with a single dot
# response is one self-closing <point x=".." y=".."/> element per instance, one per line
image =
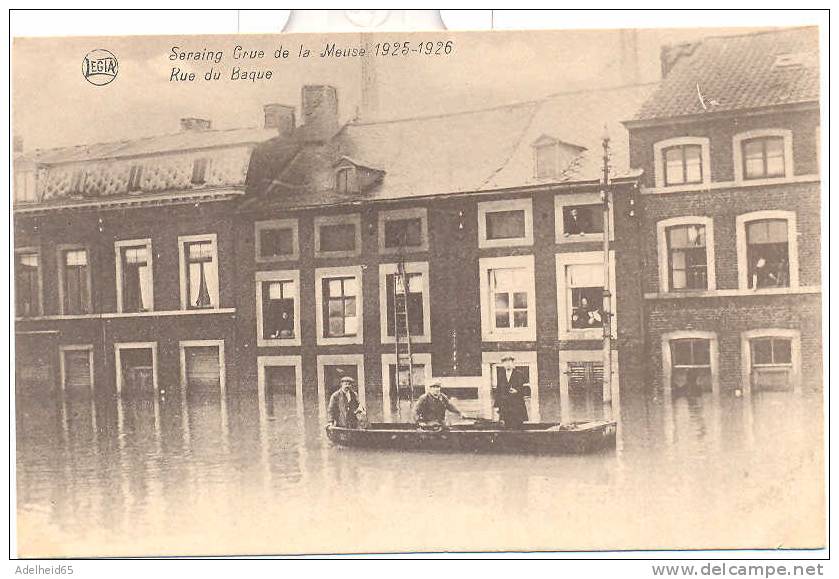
<point x="430" y="411"/>
<point x="344" y="409"/>
<point x="509" y="394"/>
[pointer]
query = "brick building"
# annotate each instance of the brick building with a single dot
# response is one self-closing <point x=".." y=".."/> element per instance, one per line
<point x="124" y="261"/>
<point x="497" y="215"/>
<point x="729" y="225"/>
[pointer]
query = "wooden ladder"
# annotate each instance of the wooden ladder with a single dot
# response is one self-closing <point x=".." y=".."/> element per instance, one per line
<point x="402" y="339"/>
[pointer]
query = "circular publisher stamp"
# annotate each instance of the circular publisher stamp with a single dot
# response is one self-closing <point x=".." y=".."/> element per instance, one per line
<point x="100" y="67"/>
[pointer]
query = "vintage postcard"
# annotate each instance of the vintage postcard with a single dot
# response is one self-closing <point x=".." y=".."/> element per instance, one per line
<point x="418" y="292"/>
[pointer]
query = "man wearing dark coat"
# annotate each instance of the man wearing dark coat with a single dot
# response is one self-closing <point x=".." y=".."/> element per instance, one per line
<point x="344" y="406"/>
<point x="509" y="394"/>
<point x="431" y="407"/>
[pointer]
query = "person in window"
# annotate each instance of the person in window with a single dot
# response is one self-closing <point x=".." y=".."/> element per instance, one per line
<point x="509" y="394"/>
<point x="430" y="411"/>
<point x="344" y="408"/>
<point x="586" y="315"/>
<point x="575" y="223"/>
<point x="285" y="326"/>
<point x="763" y="276"/>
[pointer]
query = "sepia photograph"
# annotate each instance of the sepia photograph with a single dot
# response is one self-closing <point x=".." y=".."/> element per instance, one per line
<point x="418" y="292"/>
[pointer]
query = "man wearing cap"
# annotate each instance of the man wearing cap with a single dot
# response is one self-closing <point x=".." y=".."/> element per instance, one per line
<point x="344" y="406"/>
<point x="509" y="394"/>
<point x="431" y="407"/>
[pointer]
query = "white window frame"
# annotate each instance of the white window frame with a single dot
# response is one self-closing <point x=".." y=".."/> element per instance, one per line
<point x="489" y="333"/>
<point x="663" y="254"/>
<point x="119" y="347"/>
<point x="324" y="360"/>
<point x="390" y="360"/>
<point x="522" y="204"/>
<point x="183" y="345"/>
<point x="37" y="251"/>
<point x="261" y="226"/>
<point x="348" y="219"/>
<point x="62" y="363"/>
<point x="746" y="354"/>
<point x="737" y="145"/>
<point x="263" y="362"/>
<point x="420" y="267"/>
<point x="420" y="213"/>
<point x="563" y="323"/>
<point x="261" y="277"/>
<point x="118" y="246"/>
<point x="667" y="360"/>
<point x="329" y="272"/>
<point x="522" y="358"/>
<point x="61" y="250"/>
<point x="593" y="198"/>
<point x="742" y="248"/>
<point x="658" y="161"/>
<point x="566" y="356"/>
<point x="182" y="241"/>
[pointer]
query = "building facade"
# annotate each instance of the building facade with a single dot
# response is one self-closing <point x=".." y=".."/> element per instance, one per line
<point x="730" y="225"/>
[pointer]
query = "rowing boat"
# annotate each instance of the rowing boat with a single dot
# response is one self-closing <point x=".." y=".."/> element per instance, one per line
<point x="486" y="436"/>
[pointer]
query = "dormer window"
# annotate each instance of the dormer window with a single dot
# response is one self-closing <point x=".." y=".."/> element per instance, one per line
<point x="199" y="171"/>
<point x="77" y="185"/>
<point x="546" y="153"/>
<point x="135" y="177"/>
<point x="346" y="180"/>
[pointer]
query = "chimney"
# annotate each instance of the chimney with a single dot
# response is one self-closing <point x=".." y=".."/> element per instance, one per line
<point x="671" y="53"/>
<point x="17" y="144"/>
<point x="196" y="124"/>
<point x="630" y="73"/>
<point x="320" y="112"/>
<point x="279" y="117"/>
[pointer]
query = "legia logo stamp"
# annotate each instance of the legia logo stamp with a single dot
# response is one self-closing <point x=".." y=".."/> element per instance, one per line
<point x="100" y="67"/>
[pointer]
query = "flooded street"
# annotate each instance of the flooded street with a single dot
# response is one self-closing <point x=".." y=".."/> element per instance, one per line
<point x="165" y="477"/>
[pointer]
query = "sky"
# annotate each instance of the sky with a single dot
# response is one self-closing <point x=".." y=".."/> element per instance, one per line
<point x="53" y="105"/>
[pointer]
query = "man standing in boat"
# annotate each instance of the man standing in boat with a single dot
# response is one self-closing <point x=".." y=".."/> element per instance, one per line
<point x="509" y="394"/>
<point x="344" y="407"/>
<point x="431" y="407"/>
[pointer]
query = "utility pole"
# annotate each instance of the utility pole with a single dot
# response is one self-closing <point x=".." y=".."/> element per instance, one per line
<point x="605" y="192"/>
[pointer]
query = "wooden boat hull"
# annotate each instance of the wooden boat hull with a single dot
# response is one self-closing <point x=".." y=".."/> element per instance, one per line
<point x="539" y="438"/>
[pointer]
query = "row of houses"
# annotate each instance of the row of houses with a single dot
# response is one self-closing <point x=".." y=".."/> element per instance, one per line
<point x="263" y="259"/>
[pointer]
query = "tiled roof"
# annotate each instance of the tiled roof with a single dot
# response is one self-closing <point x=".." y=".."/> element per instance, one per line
<point x="471" y="151"/>
<point x="727" y="73"/>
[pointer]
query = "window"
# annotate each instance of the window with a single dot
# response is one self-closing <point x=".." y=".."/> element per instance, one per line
<point x="686" y="254"/>
<point x="767" y="251"/>
<point x="278" y="314"/>
<point x="74" y="288"/>
<point x="199" y="171"/>
<point x="76" y="367"/>
<point x="579" y="217"/>
<point x="505" y="223"/>
<point x="346" y="180"/>
<point x="202" y="368"/>
<point x="280" y="384"/>
<point x="547" y="160"/>
<point x="199" y="272"/>
<point x="416" y="302"/>
<point x="682" y="164"/>
<point x="135" y="285"/>
<point x="771" y="360"/>
<point x="136" y="369"/>
<point x="763" y="154"/>
<point x="338" y="236"/>
<point x="135" y="178"/>
<point x="276" y="240"/>
<point x="682" y="161"/>
<point x="508" y="298"/>
<point x="25" y="188"/>
<point x="525" y="363"/>
<point x="396" y="403"/>
<point x="690" y="363"/>
<point x="687" y="257"/>
<point x="763" y="158"/>
<point x="580" y="294"/>
<point x="339" y="305"/>
<point x="27" y="283"/>
<point x="581" y="394"/>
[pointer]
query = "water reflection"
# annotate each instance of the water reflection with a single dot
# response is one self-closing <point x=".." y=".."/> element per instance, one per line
<point x="253" y="474"/>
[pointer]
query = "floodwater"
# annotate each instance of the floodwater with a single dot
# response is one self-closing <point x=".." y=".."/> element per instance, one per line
<point x="197" y="477"/>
